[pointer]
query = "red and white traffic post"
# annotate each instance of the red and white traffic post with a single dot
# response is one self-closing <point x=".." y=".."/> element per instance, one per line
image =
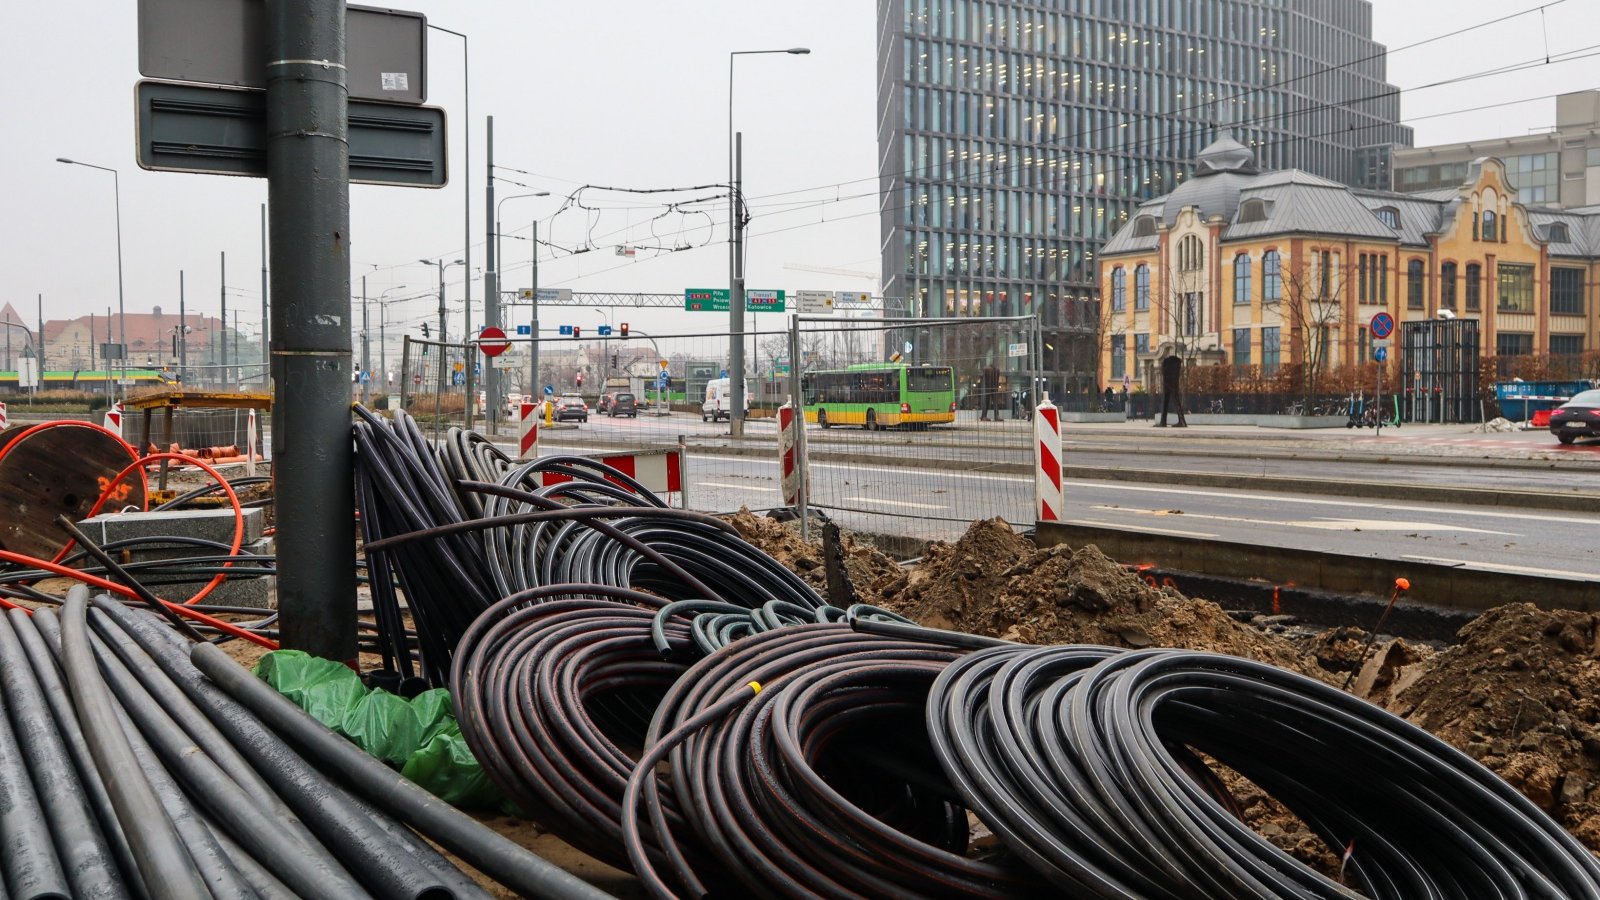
<point x="528" y="431"/>
<point x="249" y="444"/>
<point x="113" y="419"/>
<point x="5" y="419"/>
<point x="1047" y="492"/>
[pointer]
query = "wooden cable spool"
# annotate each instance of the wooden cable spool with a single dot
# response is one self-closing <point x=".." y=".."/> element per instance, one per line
<point x="58" y="471"/>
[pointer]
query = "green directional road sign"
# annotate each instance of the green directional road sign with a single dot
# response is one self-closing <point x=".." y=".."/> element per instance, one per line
<point x="705" y="300"/>
<point x="764" y="301"/>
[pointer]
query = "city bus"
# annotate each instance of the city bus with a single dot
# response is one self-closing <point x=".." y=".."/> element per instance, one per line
<point x="880" y="395"/>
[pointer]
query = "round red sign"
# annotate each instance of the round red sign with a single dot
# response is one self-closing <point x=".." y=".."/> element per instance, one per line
<point x="492" y="341"/>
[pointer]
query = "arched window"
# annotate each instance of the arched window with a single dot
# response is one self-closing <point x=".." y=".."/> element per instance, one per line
<point x="1241" y="279"/>
<point x="1141" y="287"/>
<point x="1271" y="277"/>
<point x="1414" y="280"/>
<point x="1447" y="286"/>
<point x="1474" y="287"/>
<point x="1491" y="228"/>
<point x="1191" y="254"/>
<point x="1119" y="289"/>
<point x="1556" y="233"/>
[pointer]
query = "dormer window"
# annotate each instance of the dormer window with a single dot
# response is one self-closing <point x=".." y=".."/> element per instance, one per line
<point x="1389" y="216"/>
<point x="1252" y="211"/>
<point x="1144" y="226"/>
<point x="1490" y="226"/>
<point x="1556" y="233"/>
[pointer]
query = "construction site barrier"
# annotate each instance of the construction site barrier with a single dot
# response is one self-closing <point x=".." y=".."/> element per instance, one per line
<point x="1047" y="491"/>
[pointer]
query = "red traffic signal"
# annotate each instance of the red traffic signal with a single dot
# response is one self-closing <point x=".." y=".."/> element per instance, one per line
<point x="624" y="329"/>
<point x="576" y="331"/>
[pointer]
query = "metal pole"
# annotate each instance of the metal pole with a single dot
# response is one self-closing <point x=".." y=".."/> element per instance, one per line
<point x="383" y="344"/>
<point x="265" y="331"/>
<point x="533" y="322"/>
<point x="308" y="187"/>
<point x="491" y="286"/>
<point x="442" y="362"/>
<point x="797" y="401"/>
<point x="736" y="410"/>
<point x="223" y="338"/>
<point x="183" y="335"/>
<point x="366" y="346"/>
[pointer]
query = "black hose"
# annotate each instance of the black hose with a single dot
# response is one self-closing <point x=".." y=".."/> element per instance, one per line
<point x="489" y="852"/>
<point x="158" y="850"/>
<point x="29" y="861"/>
<point x="86" y="859"/>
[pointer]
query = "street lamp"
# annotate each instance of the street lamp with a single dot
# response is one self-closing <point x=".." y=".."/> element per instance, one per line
<point x="736" y="387"/>
<point x="497" y="261"/>
<point x="383" y="335"/>
<point x="440" y="262"/>
<point x="122" y="321"/>
<point x="466" y="166"/>
<point x="605" y="349"/>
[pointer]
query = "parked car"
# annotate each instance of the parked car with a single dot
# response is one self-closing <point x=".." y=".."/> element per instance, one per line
<point x="603" y="405"/>
<point x="572" y="408"/>
<point x="514" y="405"/>
<point x="624" y="405"/>
<point x="1578" y="417"/>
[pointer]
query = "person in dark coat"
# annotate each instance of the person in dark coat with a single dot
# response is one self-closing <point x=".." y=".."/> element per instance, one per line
<point x="1111" y="399"/>
<point x="991" y="393"/>
<point x="1172" y="388"/>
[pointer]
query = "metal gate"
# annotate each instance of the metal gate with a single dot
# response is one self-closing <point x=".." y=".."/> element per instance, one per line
<point x="1440" y="363"/>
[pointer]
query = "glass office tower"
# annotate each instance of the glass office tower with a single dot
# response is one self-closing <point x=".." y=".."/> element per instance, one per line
<point x="1015" y="137"/>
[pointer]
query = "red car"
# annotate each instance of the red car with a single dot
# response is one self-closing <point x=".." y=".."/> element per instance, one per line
<point x="1578" y="417"/>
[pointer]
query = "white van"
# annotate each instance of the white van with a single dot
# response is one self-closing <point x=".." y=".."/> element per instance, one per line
<point x="718" y="404"/>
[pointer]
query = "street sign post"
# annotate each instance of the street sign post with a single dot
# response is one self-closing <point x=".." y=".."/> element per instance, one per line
<point x="814" y="303"/>
<point x="706" y="300"/>
<point x="489" y="335"/>
<point x="764" y="301"/>
<point x="1015" y="350"/>
<point x="1382" y="325"/>
<point x="852" y="299"/>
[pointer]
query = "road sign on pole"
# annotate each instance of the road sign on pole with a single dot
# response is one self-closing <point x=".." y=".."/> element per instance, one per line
<point x="705" y="300"/>
<point x="488" y="335"/>
<point x="764" y="301"/>
<point x="1382" y="325"/>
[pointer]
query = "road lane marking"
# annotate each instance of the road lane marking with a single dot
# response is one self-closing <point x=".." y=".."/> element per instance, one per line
<point x="905" y="503"/>
<point x="1504" y="567"/>
<point x="1321" y="524"/>
<point x="732" y="487"/>
<point x="1568" y="518"/>
<point x="1126" y="527"/>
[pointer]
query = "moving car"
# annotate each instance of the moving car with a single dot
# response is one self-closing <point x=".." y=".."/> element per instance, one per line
<point x="718" y="403"/>
<point x="572" y="408"/>
<point x="603" y="405"/>
<point x="1578" y="417"/>
<point x="623" y="405"/>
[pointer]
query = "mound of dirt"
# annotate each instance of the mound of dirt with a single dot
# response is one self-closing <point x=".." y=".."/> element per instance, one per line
<point x="1521" y="694"/>
<point x="995" y="582"/>
<point x="870" y="571"/>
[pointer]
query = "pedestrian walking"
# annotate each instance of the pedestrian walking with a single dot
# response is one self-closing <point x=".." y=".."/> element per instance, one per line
<point x="991" y="392"/>
<point x="1111" y="398"/>
<point x="1172" y="388"/>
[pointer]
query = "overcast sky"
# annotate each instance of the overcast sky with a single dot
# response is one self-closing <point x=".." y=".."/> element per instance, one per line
<point x="604" y="93"/>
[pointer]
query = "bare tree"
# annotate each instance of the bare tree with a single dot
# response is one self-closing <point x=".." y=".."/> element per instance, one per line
<point x="1314" y="294"/>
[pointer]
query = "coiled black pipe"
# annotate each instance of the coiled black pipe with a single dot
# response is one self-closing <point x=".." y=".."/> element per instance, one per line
<point x="86" y="859"/>
<point x="1076" y="758"/>
<point x="821" y="784"/>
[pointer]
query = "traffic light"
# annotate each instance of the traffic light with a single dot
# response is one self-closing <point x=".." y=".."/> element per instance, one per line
<point x="624" y="329"/>
<point x="577" y="332"/>
<point x="425" y="329"/>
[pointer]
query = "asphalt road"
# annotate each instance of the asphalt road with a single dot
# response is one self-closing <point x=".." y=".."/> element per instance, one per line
<point x="939" y="502"/>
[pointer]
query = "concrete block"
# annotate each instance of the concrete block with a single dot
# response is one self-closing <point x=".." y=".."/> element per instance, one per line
<point x="207" y="524"/>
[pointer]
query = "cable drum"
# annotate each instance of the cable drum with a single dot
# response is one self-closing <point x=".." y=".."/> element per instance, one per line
<point x="1074" y="756"/>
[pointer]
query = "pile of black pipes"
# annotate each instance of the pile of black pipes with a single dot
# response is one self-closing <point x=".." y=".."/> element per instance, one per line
<point x="126" y="772"/>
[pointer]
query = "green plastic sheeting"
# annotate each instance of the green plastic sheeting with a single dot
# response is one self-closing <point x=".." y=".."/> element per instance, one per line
<point x="419" y="737"/>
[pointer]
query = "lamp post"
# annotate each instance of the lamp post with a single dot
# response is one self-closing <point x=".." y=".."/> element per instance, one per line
<point x="736" y="386"/>
<point x="122" y="322"/>
<point x="466" y="174"/>
<point x="383" y="336"/>
<point x="492" y="385"/>
<point x="443" y="342"/>
<point x="605" y="349"/>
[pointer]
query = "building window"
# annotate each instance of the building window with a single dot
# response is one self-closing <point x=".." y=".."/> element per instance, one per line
<point x="1516" y="288"/>
<point x="1252" y="211"/>
<point x="1383" y="280"/>
<point x="1566" y="292"/>
<point x="1513" y="343"/>
<point x="1119" y="289"/>
<point x="1141" y="287"/>
<point x="1193" y="319"/>
<point x="1474" y="287"/>
<point x="1241" y="346"/>
<point x="1389" y="216"/>
<point x="1566" y="344"/>
<point x="1241" y="279"/>
<point x="1191" y="254"/>
<point x="1447" y="286"/>
<point x="1414" y="284"/>
<point x="1556" y="233"/>
<point x="1361" y="278"/>
<point x="1324" y="273"/>
<point x="1269" y="351"/>
<point x="1141" y="345"/>
<point x="1373" y="275"/>
<point x="1119" y="356"/>
<point x="1490" y="226"/>
<point x="1271" y="277"/>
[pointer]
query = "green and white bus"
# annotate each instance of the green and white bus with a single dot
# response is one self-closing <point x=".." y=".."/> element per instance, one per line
<point x="880" y="395"/>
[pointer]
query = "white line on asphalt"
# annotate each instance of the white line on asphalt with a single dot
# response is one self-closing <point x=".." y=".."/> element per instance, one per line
<point x="1317" y="501"/>
<point x="1126" y="527"/>
<point x="732" y="487"/>
<point x="1504" y="567"/>
<point x="903" y="469"/>
<point x="1321" y="524"/>
<point x="905" y="503"/>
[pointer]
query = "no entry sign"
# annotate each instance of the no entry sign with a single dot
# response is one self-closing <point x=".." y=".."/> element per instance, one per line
<point x="492" y="341"/>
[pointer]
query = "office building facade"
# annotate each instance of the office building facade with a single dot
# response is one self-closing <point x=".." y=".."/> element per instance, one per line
<point x="1016" y="137"/>
<point x="1555" y="168"/>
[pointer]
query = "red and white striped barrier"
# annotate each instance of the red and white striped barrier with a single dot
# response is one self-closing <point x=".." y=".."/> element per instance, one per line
<point x="1047" y="493"/>
<point x="528" y="431"/>
<point x="113" y="420"/>
<point x="249" y="444"/>
<point x="660" y="471"/>
<point x="5" y="420"/>
<point x="789" y="454"/>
